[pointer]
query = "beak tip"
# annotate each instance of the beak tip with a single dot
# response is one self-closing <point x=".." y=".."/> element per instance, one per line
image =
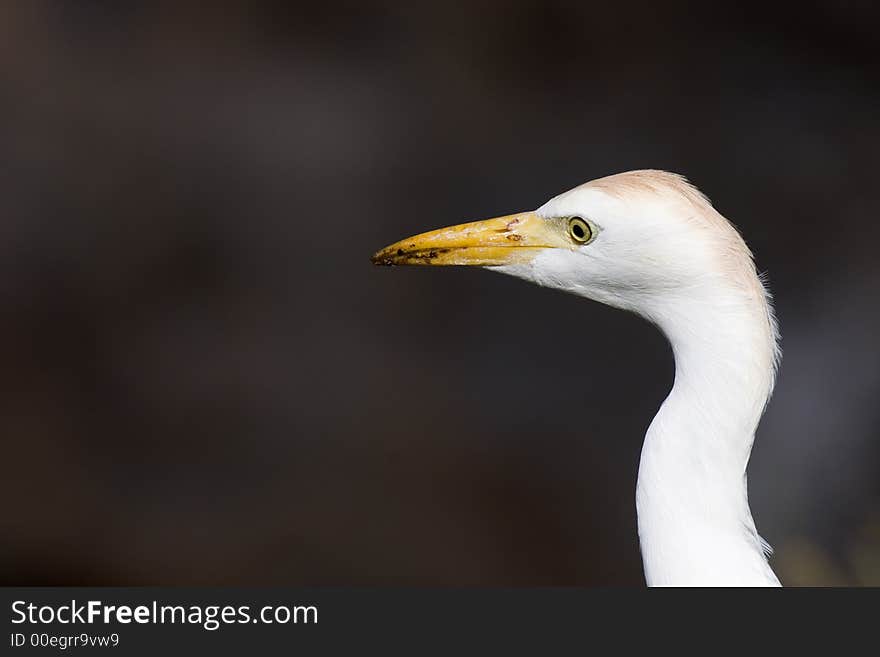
<point x="382" y="258"/>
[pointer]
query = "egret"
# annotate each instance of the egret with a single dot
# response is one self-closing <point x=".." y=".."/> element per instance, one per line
<point x="649" y="242"/>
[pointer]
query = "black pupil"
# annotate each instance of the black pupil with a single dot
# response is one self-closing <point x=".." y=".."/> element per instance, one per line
<point x="578" y="231"/>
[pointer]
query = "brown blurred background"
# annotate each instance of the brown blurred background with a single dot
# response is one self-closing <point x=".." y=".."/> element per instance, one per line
<point x="205" y="381"/>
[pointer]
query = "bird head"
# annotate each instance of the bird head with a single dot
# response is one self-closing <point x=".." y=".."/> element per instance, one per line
<point x="640" y="240"/>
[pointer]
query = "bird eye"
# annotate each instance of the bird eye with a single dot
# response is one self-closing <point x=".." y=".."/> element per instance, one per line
<point x="579" y="230"/>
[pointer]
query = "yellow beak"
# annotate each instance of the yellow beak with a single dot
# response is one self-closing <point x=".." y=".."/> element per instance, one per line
<point x="515" y="238"/>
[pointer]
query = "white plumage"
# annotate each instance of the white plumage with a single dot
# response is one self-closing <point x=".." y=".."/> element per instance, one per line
<point x="655" y="246"/>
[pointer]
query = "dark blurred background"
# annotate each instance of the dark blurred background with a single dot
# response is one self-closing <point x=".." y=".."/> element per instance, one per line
<point x="204" y="381"/>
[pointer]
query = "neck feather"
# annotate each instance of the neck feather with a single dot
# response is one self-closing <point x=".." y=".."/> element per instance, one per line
<point x="695" y="525"/>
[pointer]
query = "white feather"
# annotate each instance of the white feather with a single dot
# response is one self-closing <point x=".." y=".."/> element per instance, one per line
<point x="663" y="252"/>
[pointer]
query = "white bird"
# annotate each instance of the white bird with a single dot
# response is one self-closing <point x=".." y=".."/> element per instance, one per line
<point x="651" y="243"/>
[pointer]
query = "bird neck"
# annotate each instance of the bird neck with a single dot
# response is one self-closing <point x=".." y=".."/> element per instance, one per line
<point x="695" y="525"/>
